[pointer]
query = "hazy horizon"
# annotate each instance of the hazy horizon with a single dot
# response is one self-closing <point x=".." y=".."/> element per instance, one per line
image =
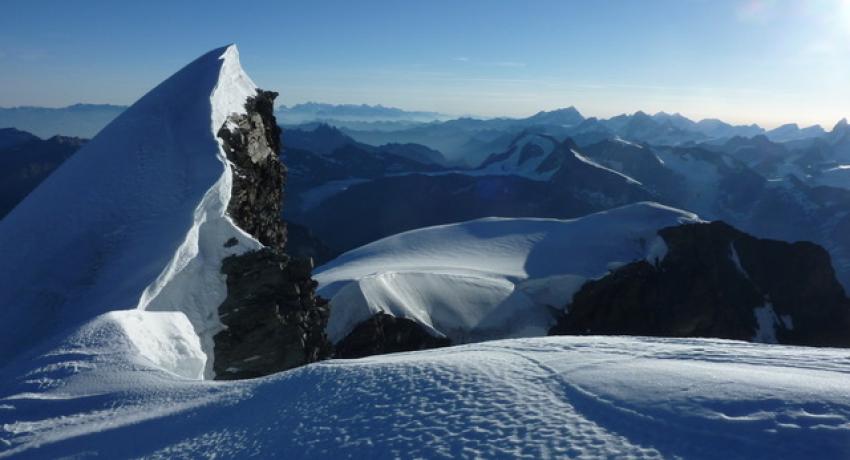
<point x="446" y="116"/>
<point x="754" y="61"/>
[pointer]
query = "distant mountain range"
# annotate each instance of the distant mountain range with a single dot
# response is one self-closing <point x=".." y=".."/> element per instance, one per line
<point x="793" y="190"/>
<point x="789" y="183"/>
<point x="465" y="139"/>
<point x="26" y="160"/>
<point x="316" y="111"/>
<point x="78" y="120"/>
<point x="472" y="140"/>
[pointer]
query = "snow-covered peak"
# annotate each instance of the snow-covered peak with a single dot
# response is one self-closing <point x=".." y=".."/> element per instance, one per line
<point x="233" y="88"/>
<point x="135" y="219"/>
<point x="525" y="157"/>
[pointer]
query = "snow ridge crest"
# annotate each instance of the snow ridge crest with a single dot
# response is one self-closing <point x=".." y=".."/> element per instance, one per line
<point x="192" y="283"/>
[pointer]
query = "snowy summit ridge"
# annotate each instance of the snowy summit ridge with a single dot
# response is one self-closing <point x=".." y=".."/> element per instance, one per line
<point x="134" y="220"/>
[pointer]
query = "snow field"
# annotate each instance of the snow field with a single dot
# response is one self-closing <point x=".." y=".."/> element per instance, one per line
<point x="488" y="278"/>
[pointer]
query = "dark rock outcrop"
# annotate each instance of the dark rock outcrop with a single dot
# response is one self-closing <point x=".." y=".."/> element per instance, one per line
<point x="302" y="242"/>
<point x="273" y="319"/>
<point x="258" y="175"/>
<point x="716" y="281"/>
<point x="383" y="333"/>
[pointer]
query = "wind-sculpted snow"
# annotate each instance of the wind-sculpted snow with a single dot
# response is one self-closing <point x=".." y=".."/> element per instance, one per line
<point x="135" y="219"/>
<point x="553" y="397"/>
<point x="488" y="278"/>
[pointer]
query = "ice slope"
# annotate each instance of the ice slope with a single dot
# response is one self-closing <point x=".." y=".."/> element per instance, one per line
<point x="557" y="397"/>
<point x="134" y="220"/>
<point x="488" y="278"/>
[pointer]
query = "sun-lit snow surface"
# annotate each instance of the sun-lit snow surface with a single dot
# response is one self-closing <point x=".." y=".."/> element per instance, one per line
<point x="556" y="397"/>
<point x="488" y="278"/>
<point x="134" y="220"/>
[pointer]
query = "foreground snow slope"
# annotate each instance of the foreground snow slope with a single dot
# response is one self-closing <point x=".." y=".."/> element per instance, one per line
<point x="552" y="397"/>
<point x="488" y="278"/>
<point x="136" y="219"/>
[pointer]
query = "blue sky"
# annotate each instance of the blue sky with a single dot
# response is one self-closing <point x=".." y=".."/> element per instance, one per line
<point x="744" y="61"/>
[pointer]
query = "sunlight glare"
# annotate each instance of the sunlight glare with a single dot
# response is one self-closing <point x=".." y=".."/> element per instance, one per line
<point x="844" y="15"/>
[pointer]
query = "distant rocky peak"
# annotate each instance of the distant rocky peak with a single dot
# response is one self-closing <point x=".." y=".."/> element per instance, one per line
<point x="841" y="126"/>
<point x="568" y="116"/>
<point x="326" y="129"/>
<point x="641" y="119"/>
<point x="840" y="132"/>
<point x="761" y="139"/>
